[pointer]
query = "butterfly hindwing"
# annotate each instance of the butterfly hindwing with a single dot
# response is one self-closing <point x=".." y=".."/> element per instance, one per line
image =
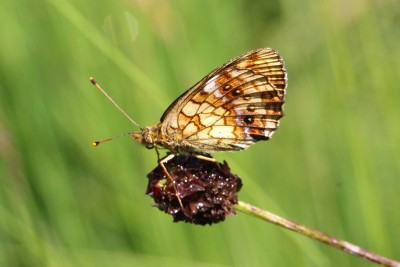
<point x="234" y="106"/>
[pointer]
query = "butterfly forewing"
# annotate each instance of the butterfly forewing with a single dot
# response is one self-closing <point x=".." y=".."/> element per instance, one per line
<point x="234" y="106"/>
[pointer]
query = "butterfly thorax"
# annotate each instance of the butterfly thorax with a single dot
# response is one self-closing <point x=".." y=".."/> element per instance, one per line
<point x="153" y="136"/>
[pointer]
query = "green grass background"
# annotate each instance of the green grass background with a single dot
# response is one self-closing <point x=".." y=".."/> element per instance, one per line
<point x="333" y="165"/>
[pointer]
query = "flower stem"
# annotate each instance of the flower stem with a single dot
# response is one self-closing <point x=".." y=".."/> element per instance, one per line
<point x="316" y="235"/>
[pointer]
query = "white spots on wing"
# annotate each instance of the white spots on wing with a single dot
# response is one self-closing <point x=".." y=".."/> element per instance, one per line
<point x="174" y="124"/>
<point x="202" y="134"/>
<point x="271" y="124"/>
<point x="190" y="109"/>
<point x="226" y="99"/>
<point x="260" y="111"/>
<point x="222" y="81"/>
<point x="217" y="94"/>
<point x="209" y="109"/>
<point x="243" y="145"/>
<point x="244" y="64"/>
<point x="222" y="132"/>
<point x="269" y="133"/>
<point x="256" y="86"/>
<point x="208" y="119"/>
<point x="235" y="73"/>
<point x="238" y="120"/>
<point x="220" y="111"/>
<point x="221" y="121"/>
<point x="190" y="129"/>
<point x="239" y="110"/>
<point x="210" y="86"/>
<point x="239" y="101"/>
<point x="205" y="108"/>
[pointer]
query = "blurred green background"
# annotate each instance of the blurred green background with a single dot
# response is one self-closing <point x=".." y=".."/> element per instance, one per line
<point x="333" y="165"/>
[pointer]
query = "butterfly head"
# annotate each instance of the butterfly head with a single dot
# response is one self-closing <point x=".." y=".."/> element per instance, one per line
<point x="148" y="136"/>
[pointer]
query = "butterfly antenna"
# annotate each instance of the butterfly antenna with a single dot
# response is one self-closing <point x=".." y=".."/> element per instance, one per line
<point x="96" y="143"/>
<point x="93" y="81"/>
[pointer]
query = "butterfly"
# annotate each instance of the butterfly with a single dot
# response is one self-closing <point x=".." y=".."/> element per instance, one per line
<point x="233" y="107"/>
<point x="236" y="105"/>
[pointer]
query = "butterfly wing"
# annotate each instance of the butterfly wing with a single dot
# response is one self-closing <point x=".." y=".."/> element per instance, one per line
<point x="231" y="108"/>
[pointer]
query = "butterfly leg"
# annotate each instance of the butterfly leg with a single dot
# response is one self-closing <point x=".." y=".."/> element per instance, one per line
<point x="161" y="162"/>
<point x="158" y="153"/>
<point x="202" y="157"/>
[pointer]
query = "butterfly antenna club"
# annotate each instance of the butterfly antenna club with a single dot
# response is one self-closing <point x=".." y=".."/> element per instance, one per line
<point x="97" y="143"/>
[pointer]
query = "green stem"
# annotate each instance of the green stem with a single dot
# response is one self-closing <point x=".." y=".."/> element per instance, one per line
<point x="316" y="235"/>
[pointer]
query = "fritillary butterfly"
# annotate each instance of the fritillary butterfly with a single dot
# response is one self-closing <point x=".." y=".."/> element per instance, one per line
<point x="231" y="108"/>
<point x="236" y="105"/>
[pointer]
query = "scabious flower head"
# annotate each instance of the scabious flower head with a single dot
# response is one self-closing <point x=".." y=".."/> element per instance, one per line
<point x="207" y="190"/>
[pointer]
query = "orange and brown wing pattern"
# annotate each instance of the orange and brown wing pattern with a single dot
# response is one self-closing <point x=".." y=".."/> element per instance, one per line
<point x="234" y="106"/>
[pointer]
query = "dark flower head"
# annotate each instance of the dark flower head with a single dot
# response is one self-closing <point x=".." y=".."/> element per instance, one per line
<point x="207" y="189"/>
